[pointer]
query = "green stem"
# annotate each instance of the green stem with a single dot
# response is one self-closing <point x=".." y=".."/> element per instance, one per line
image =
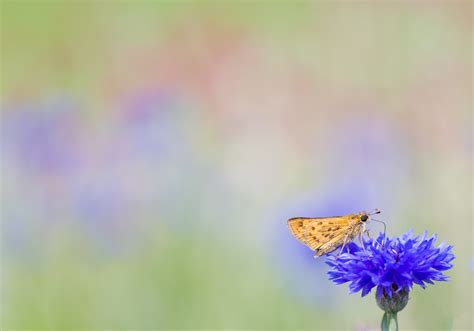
<point x="389" y="322"/>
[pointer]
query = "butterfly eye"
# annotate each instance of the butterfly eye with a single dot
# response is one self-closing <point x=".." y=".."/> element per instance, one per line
<point x="364" y="218"/>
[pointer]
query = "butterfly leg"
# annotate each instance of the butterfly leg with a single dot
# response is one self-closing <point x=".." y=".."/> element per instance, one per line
<point x="343" y="244"/>
<point x="361" y="235"/>
<point x="368" y="236"/>
<point x="366" y="231"/>
<point x="362" y="241"/>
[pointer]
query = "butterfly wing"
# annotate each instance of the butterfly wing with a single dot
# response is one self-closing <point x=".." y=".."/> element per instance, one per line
<point x="298" y="227"/>
<point x="323" y="235"/>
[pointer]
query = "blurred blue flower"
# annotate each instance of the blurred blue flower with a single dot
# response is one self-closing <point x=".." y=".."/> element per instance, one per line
<point x="393" y="267"/>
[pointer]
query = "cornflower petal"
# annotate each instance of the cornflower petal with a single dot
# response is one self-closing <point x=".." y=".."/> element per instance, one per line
<point x="397" y="265"/>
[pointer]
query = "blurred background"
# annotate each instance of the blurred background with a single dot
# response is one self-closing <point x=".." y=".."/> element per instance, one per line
<point x="153" y="151"/>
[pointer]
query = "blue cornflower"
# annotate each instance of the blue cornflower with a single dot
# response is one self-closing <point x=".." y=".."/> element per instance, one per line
<point x="391" y="265"/>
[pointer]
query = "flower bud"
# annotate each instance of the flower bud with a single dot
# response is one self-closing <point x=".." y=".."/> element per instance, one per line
<point x="397" y="302"/>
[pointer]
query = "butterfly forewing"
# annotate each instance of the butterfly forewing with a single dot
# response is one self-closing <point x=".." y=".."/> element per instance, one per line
<point x="324" y="234"/>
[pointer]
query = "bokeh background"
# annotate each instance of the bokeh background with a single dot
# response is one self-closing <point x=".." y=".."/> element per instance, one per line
<point x="152" y="152"/>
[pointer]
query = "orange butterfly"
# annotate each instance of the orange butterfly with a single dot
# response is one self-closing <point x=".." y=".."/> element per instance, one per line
<point x="325" y="234"/>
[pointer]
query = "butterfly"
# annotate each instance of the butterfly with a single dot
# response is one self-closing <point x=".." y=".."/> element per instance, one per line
<point x="325" y="234"/>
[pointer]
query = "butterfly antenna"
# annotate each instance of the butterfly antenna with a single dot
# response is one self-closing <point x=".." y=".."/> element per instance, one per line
<point x="375" y="211"/>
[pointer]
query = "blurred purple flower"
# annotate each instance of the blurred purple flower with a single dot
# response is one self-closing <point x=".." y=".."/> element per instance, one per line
<point x="393" y="267"/>
<point x="42" y="137"/>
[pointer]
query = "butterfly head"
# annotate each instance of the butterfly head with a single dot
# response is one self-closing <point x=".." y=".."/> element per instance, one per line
<point x="364" y="217"/>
